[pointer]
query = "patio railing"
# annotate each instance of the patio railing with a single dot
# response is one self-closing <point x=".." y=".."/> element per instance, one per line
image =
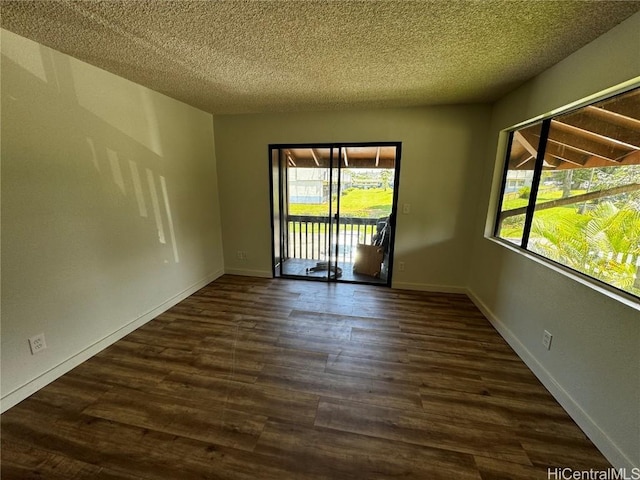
<point x="309" y="239"/>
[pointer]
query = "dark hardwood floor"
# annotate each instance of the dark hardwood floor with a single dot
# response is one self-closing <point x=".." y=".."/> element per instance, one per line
<point x="274" y="379"/>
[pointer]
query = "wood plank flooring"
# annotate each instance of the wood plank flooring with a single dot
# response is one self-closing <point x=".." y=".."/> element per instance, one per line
<point x="274" y="379"/>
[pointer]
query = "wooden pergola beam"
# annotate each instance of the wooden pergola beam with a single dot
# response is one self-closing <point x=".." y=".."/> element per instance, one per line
<point x="291" y="157"/>
<point x="571" y="200"/>
<point x="555" y="154"/>
<point x="527" y="140"/>
<point x="583" y="141"/>
<point x="315" y="157"/>
<point x="605" y="129"/>
<point x="524" y="160"/>
<point x="601" y="135"/>
<point x="566" y="154"/>
<point x="612" y="118"/>
<point x="308" y="162"/>
<point x="626" y="105"/>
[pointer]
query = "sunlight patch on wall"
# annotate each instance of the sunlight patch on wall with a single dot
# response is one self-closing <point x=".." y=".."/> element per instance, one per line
<point x="94" y="155"/>
<point x="113" y="100"/>
<point x="152" y="121"/>
<point x="116" y="171"/>
<point x="156" y="206"/>
<point x="137" y="188"/>
<point x="165" y="196"/>
<point x="25" y="53"/>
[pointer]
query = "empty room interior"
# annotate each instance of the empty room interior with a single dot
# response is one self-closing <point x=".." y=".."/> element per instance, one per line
<point x="320" y="240"/>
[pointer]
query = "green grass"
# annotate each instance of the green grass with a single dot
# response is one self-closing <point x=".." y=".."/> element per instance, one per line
<point x="512" y="201"/>
<point x="372" y="203"/>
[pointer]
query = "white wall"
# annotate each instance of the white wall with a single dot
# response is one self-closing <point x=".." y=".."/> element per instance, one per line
<point x="109" y="209"/>
<point x="441" y="151"/>
<point x="593" y="367"/>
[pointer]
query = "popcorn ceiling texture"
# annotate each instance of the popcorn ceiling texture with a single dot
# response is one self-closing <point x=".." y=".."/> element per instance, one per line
<point x="256" y="56"/>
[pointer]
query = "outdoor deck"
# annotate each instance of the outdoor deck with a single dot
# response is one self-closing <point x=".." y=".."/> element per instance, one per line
<point x="309" y="243"/>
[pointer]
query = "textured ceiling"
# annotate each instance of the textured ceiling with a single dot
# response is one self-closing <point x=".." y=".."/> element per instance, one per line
<point x="256" y="56"/>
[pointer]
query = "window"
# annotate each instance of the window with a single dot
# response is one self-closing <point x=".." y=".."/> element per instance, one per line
<point x="571" y="190"/>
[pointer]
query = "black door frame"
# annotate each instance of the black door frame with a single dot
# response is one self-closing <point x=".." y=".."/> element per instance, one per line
<point x="280" y="200"/>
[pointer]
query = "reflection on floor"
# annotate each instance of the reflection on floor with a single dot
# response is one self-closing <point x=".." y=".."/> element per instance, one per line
<point x="254" y="378"/>
<point x="298" y="267"/>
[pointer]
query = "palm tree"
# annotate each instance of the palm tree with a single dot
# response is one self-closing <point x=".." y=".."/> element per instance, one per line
<point x="385" y="177"/>
<point x="603" y="243"/>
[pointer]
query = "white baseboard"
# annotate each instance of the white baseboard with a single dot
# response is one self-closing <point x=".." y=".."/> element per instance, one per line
<point x="600" y="439"/>
<point x="249" y="273"/>
<point x="424" y="287"/>
<point x="19" y="394"/>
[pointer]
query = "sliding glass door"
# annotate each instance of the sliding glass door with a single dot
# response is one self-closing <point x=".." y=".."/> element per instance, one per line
<point x="333" y="211"/>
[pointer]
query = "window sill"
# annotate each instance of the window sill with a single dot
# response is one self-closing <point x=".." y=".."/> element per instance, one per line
<point x="613" y="293"/>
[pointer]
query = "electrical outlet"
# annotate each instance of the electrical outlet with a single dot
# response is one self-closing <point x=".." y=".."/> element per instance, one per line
<point x="401" y="266"/>
<point x="406" y="208"/>
<point x="546" y="340"/>
<point x="37" y="343"/>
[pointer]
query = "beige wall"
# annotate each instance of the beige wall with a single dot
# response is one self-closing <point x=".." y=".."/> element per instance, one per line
<point x="441" y="151"/>
<point x="109" y="209"/>
<point x="593" y="367"/>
